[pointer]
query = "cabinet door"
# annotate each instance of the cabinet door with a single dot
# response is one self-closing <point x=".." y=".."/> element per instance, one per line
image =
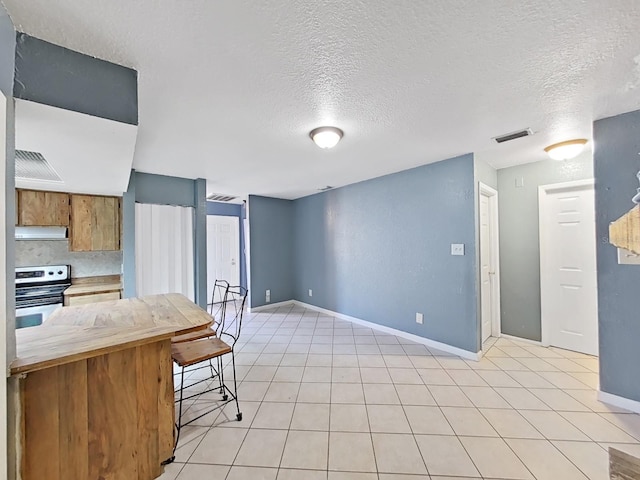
<point x="95" y="223"/>
<point x="42" y="209"/>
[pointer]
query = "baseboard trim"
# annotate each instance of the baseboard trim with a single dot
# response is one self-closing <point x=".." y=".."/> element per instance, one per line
<point x="399" y="333"/>
<point x="617" y="401"/>
<point x="261" y="308"/>
<point x="520" y="339"/>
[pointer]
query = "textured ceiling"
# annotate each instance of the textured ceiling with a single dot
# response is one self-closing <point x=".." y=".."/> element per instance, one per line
<point x="229" y="90"/>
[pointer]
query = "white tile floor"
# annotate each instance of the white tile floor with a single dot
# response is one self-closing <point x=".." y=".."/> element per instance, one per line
<point x="324" y="399"/>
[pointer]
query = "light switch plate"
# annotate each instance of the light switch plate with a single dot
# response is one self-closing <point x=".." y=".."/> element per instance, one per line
<point x="267" y="296"/>
<point x="419" y="318"/>
<point x="457" y="249"/>
<point x="310" y="293"/>
<point x="519" y="182"/>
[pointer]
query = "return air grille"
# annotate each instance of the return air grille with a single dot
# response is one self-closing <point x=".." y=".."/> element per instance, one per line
<point x="514" y="135"/>
<point x="220" y="197"/>
<point x="33" y="166"/>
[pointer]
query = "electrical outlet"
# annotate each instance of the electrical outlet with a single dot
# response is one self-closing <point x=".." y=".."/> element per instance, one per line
<point x="419" y="318"/>
<point x="457" y="249"/>
<point x="267" y="296"/>
<point x="310" y="293"/>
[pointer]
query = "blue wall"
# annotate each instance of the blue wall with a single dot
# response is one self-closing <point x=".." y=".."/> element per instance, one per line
<point x="271" y="239"/>
<point x="164" y="190"/>
<point x="616" y="163"/>
<point x="233" y="210"/>
<point x="377" y="250"/>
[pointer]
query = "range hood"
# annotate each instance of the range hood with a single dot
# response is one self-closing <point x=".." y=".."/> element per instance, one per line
<point x="41" y="233"/>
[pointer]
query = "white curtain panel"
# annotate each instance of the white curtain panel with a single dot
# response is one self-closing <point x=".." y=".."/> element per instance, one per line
<point x="164" y="250"/>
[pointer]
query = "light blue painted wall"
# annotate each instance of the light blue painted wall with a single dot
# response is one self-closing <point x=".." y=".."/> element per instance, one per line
<point x="520" y="241"/>
<point x="233" y="210"/>
<point x="616" y="163"/>
<point x="271" y="245"/>
<point x="379" y="250"/>
<point x="164" y="190"/>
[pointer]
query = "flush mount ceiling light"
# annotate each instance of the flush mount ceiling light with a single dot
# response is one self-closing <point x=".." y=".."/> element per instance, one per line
<point x="566" y="150"/>
<point x="326" y="137"/>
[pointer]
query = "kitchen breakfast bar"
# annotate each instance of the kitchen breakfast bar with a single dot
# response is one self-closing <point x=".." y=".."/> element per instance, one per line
<point x="96" y="388"/>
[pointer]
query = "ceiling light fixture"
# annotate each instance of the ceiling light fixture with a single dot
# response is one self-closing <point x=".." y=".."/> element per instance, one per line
<point x="326" y="137"/>
<point x="566" y="150"/>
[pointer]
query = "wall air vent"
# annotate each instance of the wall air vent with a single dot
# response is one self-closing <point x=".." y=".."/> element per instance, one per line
<point x="33" y="166"/>
<point x="220" y="197"/>
<point x="324" y="189"/>
<point x="513" y="135"/>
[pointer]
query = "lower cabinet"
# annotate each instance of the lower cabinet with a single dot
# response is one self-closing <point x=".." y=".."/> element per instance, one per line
<point x="70" y="301"/>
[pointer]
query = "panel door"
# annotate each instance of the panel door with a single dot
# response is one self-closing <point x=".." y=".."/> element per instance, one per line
<point x="486" y="284"/>
<point x="223" y="250"/>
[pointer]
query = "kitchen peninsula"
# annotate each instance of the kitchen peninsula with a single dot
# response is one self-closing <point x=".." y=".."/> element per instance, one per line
<point x="96" y="388"/>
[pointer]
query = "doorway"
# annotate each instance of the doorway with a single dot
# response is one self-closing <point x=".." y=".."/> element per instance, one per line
<point x="489" y="262"/>
<point x="223" y="251"/>
<point x="568" y="279"/>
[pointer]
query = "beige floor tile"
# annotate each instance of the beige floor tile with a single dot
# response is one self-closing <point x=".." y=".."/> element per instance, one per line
<point x="190" y="438"/>
<point x="319" y="360"/>
<point x="397" y="454"/>
<point x="445" y="455"/>
<point x="538" y="365"/>
<point x="371" y="361"/>
<point x="397" y="361"/>
<point x="597" y="428"/>
<point x="375" y="375"/>
<point x="468" y="422"/>
<point x="380" y="394"/>
<point x="260" y="374"/>
<point x="590" y="379"/>
<point x="252" y="391"/>
<point x="553" y="426"/>
<point x="311" y="416"/>
<point x="262" y="448"/>
<point x="484" y="365"/>
<point x="345" y="375"/>
<point x="497" y="378"/>
<point x="522" y="399"/>
<point x="529" y="379"/>
<point x="414" y="395"/>
<point x="274" y="416"/>
<point x="544" y="460"/>
<point x="494" y="458"/>
<point x="351" y="452"/>
<point x="435" y="376"/>
<point x="349" y="418"/>
<point x="227" y="417"/>
<point x="314" y="393"/>
<point x="427" y="420"/>
<point x="282" y="392"/>
<point x="398" y="476"/>
<point x="509" y="364"/>
<point x="251" y="473"/>
<point x="563" y="380"/>
<point x="452" y="363"/>
<point x="426" y="362"/>
<point x="589" y="398"/>
<point x="345" y="361"/>
<point x="509" y="423"/>
<point x="171" y="471"/>
<point x="290" y="474"/>
<point x="485" y="397"/>
<point x="352" y="476"/>
<point x="467" y="378"/>
<point x="219" y="446"/>
<point x="347" y="393"/>
<point x="566" y="365"/>
<point x="592" y="364"/>
<point x="516" y="351"/>
<point x="197" y="472"/>
<point x="288" y="374"/>
<point x="590" y="458"/>
<point x="387" y="419"/>
<point x="558" y="400"/>
<point x="272" y="359"/>
<point x="307" y="450"/>
<point x="449" y="396"/>
<point x="628" y="422"/>
<point x="406" y="376"/>
<point x="317" y="374"/>
<point x="294" y="360"/>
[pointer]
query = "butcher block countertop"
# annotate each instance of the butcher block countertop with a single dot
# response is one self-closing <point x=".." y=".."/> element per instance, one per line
<point x="85" y="331"/>
<point x="90" y="289"/>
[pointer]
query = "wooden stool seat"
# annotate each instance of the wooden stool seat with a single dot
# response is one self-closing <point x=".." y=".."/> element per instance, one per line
<point x="197" y="335"/>
<point x="189" y="353"/>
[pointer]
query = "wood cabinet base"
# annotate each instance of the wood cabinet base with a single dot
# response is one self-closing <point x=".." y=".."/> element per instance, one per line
<point x="106" y="417"/>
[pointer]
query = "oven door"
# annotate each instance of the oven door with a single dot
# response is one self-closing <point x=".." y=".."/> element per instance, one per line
<point x="32" y="316"/>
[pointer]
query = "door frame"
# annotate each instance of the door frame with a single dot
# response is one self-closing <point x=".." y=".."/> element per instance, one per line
<point x="543" y="192"/>
<point x="492" y="196"/>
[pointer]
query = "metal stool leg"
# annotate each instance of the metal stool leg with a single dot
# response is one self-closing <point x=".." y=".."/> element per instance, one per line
<point x="235" y="385"/>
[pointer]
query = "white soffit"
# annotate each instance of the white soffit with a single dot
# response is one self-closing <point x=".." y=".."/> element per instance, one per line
<point x="90" y="154"/>
<point x="229" y="91"/>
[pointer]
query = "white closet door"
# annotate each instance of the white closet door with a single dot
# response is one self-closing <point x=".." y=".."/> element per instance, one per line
<point x="164" y="250"/>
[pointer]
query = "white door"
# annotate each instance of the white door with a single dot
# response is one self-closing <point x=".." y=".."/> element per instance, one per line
<point x="223" y="251"/>
<point x="486" y="294"/>
<point x="568" y="266"/>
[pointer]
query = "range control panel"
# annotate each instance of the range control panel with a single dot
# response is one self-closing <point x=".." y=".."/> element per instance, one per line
<point x="44" y="274"/>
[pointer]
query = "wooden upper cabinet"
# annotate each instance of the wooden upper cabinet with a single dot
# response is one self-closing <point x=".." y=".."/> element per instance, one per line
<point x="42" y="209"/>
<point x="95" y="223"/>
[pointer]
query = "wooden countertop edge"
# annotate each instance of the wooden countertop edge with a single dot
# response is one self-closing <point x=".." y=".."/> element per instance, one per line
<point x="91" y="289"/>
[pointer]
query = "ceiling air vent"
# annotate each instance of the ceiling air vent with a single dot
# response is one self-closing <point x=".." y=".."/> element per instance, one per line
<point x="512" y="136"/>
<point x="33" y="166"/>
<point x="324" y="189"/>
<point x="220" y="197"/>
